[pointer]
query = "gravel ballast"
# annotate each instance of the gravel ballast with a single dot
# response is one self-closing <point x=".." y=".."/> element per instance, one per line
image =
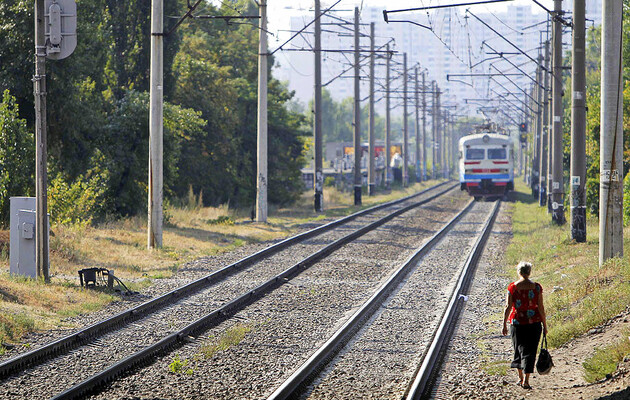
<point x="80" y="363"/>
<point x="288" y="324"/>
<point x="381" y="362"/>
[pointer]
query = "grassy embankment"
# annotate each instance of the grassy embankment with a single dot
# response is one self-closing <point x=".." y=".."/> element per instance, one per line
<point x="193" y="232"/>
<point x="579" y="294"/>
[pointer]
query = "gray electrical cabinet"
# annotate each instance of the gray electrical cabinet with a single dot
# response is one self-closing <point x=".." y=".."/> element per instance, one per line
<point x="22" y="245"/>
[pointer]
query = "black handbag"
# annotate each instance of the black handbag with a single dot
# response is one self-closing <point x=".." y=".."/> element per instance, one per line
<point x="544" y="363"/>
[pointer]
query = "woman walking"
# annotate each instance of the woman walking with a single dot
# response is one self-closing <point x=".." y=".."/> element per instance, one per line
<point x="525" y="312"/>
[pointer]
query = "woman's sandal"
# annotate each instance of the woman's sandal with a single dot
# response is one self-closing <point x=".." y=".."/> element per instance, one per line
<point x="526" y="386"/>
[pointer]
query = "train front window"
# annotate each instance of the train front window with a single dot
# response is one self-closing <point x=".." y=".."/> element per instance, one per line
<point x="497" y="154"/>
<point x="475" y="154"/>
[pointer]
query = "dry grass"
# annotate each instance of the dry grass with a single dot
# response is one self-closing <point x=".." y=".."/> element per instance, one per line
<point x="190" y="233"/>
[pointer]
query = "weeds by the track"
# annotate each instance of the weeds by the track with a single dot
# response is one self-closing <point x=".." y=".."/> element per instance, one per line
<point x="578" y="293"/>
<point x="605" y="359"/>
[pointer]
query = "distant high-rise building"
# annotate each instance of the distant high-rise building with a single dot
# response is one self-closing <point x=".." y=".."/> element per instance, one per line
<point x="453" y="45"/>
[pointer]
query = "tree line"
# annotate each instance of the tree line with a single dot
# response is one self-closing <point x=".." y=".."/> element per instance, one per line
<point x="98" y="112"/>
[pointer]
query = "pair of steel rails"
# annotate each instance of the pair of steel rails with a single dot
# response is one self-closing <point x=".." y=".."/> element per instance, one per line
<point x="425" y="373"/>
<point x="147" y="355"/>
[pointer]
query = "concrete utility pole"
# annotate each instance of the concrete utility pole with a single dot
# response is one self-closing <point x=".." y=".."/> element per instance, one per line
<point x="372" y="134"/>
<point x="446" y="148"/>
<point x="156" y="127"/>
<point x="405" y="125"/>
<point x="261" y="181"/>
<point x="542" y="121"/>
<point x="424" y="128"/>
<point x="358" y="178"/>
<point x="549" y="123"/>
<point x="578" y="124"/>
<point x="41" y="146"/>
<point x="557" y="189"/>
<point x="454" y="137"/>
<point x="536" y="130"/>
<point x="318" y="180"/>
<point x="447" y="145"/>
<point x="611" y="135"/>
<point x="438" y="130"/>
<point x="418" y="174"/>
<point x="388" y="156"/>
<point x="526" y="175"/>
<point x="434" y="124"/>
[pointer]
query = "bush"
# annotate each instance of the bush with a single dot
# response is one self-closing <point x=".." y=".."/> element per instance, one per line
<point x="329" y="181"/>
<point x="78" y="202"/>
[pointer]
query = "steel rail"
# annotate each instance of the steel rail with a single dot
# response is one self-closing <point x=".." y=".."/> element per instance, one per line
<point x="34" y="357"/>
<point x="176" y="339"/>
<point x="304" y="373"/>
<point x="431" y="361"/>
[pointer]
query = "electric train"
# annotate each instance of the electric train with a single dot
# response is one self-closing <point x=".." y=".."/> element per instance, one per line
<point x="486" y="164"/>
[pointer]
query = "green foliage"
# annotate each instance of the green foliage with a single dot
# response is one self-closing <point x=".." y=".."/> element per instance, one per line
<point x="17" y="150"/>
<point x="593" y="92"/>
<point x="221" y="220"/>
<point x="177" y="366"/>
<point x="12" y="327"/>
<point x="605" y="360"/>
<point x="626" y="200"/>
<point x="78" y="202"/>
<point x="231" y="337"/>
<point x="128" y="148"/>
<point x="98" y="111"/>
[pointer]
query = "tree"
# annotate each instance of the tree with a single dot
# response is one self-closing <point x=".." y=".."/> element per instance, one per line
<point x="17" y="167"/>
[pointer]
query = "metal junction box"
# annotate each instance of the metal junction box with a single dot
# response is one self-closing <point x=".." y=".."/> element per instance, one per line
<point x="60" y="28"/>
<point x="22" y="245"/>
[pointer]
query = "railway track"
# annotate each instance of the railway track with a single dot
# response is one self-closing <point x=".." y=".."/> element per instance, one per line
<point x="359" y="359"/>
<point x="329" y="238"/>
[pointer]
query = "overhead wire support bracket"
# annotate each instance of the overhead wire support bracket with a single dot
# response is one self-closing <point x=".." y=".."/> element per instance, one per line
<point x="189" y="14"/>
<point x="485" y="43"/>
<point x="507" y="40"/>
<point x="555" y="16"/>
<point x="386" y="18"/>
<point x="305" y="26"/>
<point x="515" y="85"/>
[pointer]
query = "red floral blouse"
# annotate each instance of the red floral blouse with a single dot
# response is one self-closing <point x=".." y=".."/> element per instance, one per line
<point x="525" y="305"/>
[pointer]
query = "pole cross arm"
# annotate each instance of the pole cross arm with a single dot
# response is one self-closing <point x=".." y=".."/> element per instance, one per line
<point x="516" y="85"/>
<point x="386" y="17"/>
<point x="484" y="43"/>
<point x="507" y="40"/>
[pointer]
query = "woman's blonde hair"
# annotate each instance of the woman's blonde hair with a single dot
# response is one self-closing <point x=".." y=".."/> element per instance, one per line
<point x="524" y="268"/>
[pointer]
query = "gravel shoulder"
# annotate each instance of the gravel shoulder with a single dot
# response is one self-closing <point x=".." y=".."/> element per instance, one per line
<point x="477" y="364"/>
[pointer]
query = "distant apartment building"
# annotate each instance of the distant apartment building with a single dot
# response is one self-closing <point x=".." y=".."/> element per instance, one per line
<point x="453" y="44"/>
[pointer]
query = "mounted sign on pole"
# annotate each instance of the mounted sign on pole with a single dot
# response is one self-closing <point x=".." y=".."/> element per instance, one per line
<point x="60" y="28"/>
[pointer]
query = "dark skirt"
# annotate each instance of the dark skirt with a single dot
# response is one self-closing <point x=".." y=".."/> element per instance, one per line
<point x="525" y="340"/>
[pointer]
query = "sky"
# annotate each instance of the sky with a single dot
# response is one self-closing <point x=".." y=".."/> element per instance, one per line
<point x="280" y="11"/>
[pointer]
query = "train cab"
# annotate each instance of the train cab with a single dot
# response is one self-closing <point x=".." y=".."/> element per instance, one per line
<point x="486" y="164"/>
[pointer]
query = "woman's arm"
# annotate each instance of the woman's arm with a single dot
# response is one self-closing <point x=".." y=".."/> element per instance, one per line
<point x="506" y="312"/>
<point x="541" y="310"/>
